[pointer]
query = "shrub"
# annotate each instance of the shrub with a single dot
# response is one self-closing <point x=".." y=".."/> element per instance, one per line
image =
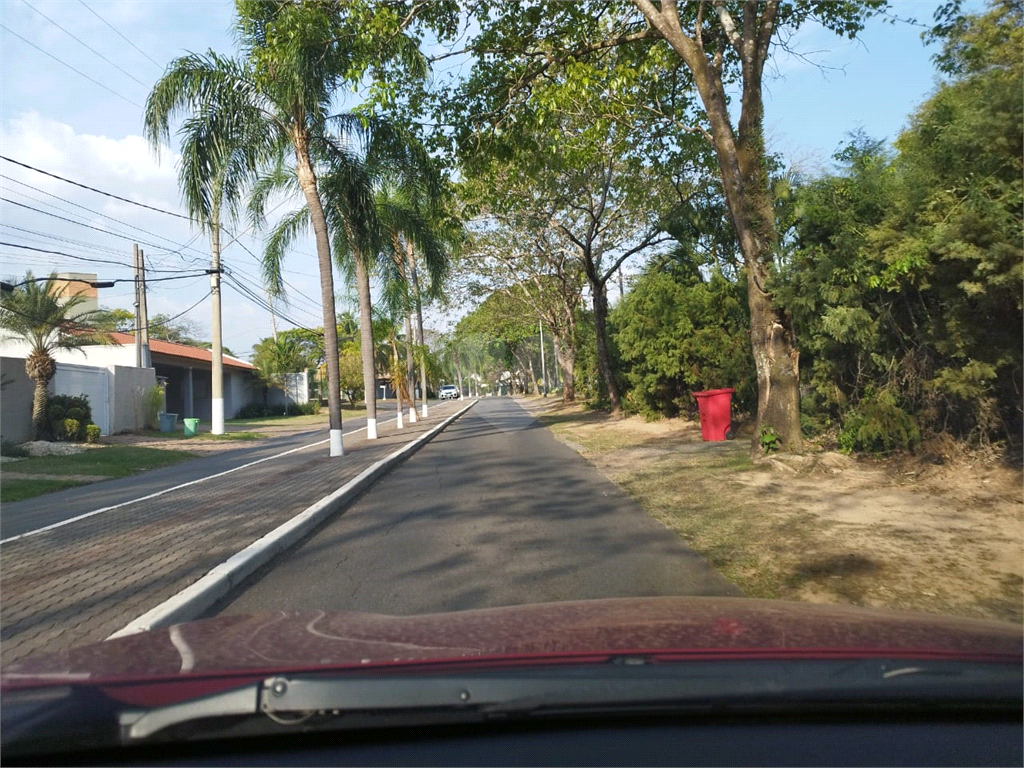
<point x="252" y="411"/>
<point x="71" y="428"/>
<point x="153" y="400"/>
<point x="877" y="425"/>
<point x="303" y="409"/>
<point x="61" y="409"/>
<point x="92" y="433"/>
<point x="769" y="439"/>
<point x="7" y="448"/>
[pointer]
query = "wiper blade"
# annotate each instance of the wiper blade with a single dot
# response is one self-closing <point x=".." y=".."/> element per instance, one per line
<point x="141" y="724"/>
<point x="291" y="699"/>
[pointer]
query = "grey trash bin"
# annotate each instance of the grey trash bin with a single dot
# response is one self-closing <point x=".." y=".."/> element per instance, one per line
<point x="168" y="421"/>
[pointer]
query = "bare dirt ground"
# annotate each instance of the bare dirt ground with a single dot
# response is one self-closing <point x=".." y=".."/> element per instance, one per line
<point x="939" y="535"/>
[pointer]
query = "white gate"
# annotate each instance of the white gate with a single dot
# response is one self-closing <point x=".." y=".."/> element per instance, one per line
<point x="86" y="380"/>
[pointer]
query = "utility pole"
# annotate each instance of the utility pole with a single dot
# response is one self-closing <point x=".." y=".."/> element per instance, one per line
<point x="273" y="319"/>
<point x="147" y="361"/>
<point x="142" y="359"/>
<point x="217" y="345"/>
<point x="543" y="366"/>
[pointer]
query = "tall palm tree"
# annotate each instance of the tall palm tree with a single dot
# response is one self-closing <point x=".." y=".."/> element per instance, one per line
<point x="37" y="313"/>
<point x="270" y="103"/>
<point x="362" y="159"/>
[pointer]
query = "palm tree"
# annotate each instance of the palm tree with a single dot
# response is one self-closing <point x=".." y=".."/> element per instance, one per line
<point x="370" y="169"/>
<point x="37" y="313"/>
<point x="250" y="113"/>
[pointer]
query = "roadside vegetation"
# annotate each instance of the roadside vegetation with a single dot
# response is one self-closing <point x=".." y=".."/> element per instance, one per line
<point x="822" y="527"/>
<point x="37" y="475"/>
<point x="898" y="271"/>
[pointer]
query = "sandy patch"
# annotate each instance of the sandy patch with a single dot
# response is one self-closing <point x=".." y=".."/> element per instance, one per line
<point x="909" y="533"/>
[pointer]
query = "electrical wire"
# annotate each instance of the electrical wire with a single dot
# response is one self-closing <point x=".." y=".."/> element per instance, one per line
<point x="118" y="33"/>
<point x="76" y="71"/>
<point x="83" y="43"/>
<point x="83" y="258"/>
<point x="129" y="238"/>
<point x="92" y="189"/>
<point x="97" y="213"/>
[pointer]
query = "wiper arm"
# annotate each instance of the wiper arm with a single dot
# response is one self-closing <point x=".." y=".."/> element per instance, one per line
<point x="291" y="699"/>
<point x="141" y="724"/>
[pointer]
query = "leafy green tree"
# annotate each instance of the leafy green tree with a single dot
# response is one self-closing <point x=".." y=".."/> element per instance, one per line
<point x="275" y="358"/>
<point x="36" y="312"/>
<point x="905" y="280"/>
<point x="678" y="332"/>
<point x="674" y="66"/>
<point x="247" y="114"/>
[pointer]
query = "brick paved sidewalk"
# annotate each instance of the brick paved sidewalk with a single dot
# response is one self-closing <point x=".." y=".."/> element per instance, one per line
<point x="79" y="583"/>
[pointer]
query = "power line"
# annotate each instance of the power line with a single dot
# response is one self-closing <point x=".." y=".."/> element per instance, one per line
<point x="77" y="71"/>
<point x="81" y="42"/>
<point x="92" y="189"/>
<point x="129" y="238"/>
<point x="242" y="289"/>
<point x="83" y="258"/>
<point x="97" y="213"/>
<point x="118" y="33"/>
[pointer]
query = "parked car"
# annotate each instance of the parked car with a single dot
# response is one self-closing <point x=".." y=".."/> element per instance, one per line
<point x="448" y="392"/>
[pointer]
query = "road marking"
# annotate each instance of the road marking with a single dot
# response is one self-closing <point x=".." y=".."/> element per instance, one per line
<point x="112" y="507"/>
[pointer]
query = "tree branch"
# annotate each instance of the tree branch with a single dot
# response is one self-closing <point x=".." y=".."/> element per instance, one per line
<point x="729" y="25"/>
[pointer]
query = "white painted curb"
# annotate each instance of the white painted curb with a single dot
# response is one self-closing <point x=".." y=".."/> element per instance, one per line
<point x="192" y="601"/>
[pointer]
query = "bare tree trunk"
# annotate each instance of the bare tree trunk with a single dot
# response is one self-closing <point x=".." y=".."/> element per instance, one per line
<point x="533" y="378"/>
<point x="366" y="346"/>
<point x="604" y="364"/>
<point x="566" y="356"/>
<point x="307" y="181"/>
<point x="741" y="162"/>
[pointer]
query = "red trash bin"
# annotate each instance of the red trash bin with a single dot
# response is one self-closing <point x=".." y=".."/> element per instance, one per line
<point x="715" y="407"/>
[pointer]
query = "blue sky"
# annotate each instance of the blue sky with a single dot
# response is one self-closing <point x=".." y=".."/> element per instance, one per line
<point x="87" y="126"/>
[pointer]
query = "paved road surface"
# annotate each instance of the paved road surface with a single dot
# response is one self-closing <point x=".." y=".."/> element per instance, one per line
<point x="493" y="512"/>
<point x="31" y="514"/>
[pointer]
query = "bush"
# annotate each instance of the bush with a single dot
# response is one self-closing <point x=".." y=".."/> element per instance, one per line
<point x="61" y="409"/>
<point x="71" y="429"/>
<point x="304" y="409"/>
<point x="153" y="401"/>
<point x="7" y="448"/>
<point x="92" y="433"/>
<point x="253" y="411"/>
<point x="877" y="425"/>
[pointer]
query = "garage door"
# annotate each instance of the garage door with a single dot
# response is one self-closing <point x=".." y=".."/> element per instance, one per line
<point x="86" y="380"/>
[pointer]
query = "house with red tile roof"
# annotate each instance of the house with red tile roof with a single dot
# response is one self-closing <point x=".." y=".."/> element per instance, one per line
<point x="108" y="374"/>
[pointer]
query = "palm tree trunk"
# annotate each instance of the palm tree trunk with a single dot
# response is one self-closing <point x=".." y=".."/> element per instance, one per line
<point x="411" y="256"/>
<point x="307" y="181"/>
<point x="410" y="368"/>
<point x="366" y="345"/>
<point x="39" y="398"/>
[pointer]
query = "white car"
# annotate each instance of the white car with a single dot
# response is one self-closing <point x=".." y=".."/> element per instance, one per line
<point x="448" y="392"/>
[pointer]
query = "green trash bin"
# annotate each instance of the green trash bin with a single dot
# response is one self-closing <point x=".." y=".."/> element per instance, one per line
<point x="191" y="425"/>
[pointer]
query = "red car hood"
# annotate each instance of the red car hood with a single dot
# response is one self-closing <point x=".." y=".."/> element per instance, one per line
<point x="669" y="627"/>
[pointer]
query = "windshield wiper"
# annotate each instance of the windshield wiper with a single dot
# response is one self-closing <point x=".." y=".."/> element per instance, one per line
<point x="292" y="699"/>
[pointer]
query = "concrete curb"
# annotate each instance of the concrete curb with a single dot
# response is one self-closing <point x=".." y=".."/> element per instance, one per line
<point x="192" y="601"/>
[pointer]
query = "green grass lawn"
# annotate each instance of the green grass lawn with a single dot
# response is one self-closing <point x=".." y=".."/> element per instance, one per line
<point x="16" y="490"/>
<point x="180" y="435"/>
<point x="299" y="421"/>
<point x="109" y="461"/>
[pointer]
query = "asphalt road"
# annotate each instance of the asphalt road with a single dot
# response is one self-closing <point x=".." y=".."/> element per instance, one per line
<point x="493" y="512"/>
<point x="21" y="516"/>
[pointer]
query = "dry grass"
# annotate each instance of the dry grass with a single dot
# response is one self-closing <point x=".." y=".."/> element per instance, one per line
<point x="821" y="527"/>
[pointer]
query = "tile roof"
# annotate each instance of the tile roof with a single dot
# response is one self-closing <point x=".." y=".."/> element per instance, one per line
<point x="182" y="350"/>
